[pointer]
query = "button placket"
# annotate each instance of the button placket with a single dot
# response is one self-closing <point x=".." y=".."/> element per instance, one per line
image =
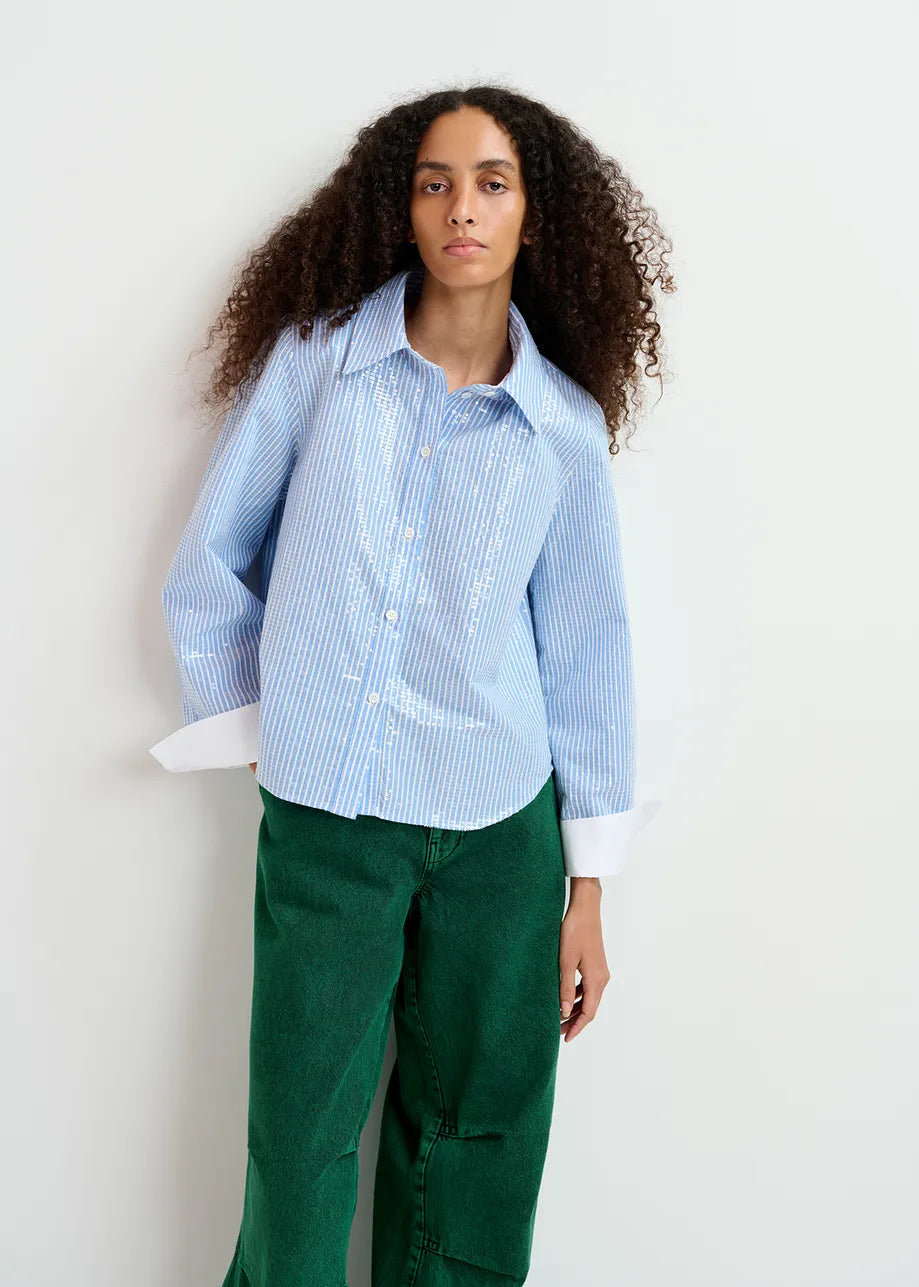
<point x="404" y="570"/>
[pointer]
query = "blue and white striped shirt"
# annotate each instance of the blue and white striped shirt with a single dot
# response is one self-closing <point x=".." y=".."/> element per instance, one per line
<point x="441" y="619"/>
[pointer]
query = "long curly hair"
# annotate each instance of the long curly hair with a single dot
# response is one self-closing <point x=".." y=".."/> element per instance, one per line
<point x="584" y="283"/>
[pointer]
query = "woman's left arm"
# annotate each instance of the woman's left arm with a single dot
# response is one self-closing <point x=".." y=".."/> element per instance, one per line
<point x="579" y="611"/>
<point x="581" y="949"/>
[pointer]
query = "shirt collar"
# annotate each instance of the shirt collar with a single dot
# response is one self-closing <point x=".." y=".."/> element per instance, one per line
<point x="378" y="330"/>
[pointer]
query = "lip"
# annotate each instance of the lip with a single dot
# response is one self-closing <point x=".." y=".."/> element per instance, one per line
<point x="463" y="248"/>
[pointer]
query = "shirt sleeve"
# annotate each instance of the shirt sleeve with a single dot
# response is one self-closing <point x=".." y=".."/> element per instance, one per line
<point x="215" y="742"/>
<point x="579" y="609"/>
<point x="213" y="619"/>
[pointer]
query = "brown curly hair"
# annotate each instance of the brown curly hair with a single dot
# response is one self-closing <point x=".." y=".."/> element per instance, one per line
<point x="583" y="284"/>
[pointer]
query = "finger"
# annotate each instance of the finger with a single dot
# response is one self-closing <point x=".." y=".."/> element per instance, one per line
<point x="592" y="991"/>
<point x="575" y="1012"/>
<point x="578" y="1024"/>
<point x="567" y="990"/>
<point x="575" y="1005"/>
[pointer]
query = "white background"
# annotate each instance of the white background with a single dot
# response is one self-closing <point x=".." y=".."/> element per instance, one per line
<point x="743" y="1112"/>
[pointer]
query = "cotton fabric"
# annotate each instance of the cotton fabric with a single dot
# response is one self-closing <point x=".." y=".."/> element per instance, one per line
<point x="441" y="617"/>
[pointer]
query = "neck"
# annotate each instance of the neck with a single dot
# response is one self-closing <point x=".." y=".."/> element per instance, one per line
<point x="462" y="329"/>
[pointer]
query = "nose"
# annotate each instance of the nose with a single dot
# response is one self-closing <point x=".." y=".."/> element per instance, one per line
<point x="463" y="207"/>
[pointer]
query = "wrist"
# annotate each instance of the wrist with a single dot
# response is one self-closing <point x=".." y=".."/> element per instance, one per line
<point x="585" y="886"/>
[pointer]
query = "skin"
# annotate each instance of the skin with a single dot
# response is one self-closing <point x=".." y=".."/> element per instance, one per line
<point x="460" y="322"/>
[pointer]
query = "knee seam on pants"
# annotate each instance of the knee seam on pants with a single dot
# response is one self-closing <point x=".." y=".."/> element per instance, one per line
<point x="430" y="1245"/>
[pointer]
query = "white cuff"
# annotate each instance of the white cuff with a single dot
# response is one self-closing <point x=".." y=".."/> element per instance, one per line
<point x="216" y="742"/>
<point x="598" y="846"/>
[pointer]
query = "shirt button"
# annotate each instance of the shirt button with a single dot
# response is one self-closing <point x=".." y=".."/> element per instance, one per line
<point x="425" y="450"/>
<point x="373" y="698"/>
<point x="391" y="614"/>
<point x="409" y="531"/>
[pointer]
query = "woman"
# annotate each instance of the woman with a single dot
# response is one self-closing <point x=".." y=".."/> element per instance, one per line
<point x="429" y="364"/>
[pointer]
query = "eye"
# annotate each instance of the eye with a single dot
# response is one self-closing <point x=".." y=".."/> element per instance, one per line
<point x="439" y="183"/>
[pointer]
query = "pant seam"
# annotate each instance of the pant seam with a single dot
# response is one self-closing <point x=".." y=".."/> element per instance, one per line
<point x="441" y="1125"/>
<point x="429" y="1244"/>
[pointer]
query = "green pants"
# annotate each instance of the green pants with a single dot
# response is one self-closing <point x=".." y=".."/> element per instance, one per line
<point x="454" y="935"/>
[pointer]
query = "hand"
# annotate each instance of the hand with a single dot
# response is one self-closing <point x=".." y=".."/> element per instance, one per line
<point x="252" y="765"/>
<point x="581" y="948"/>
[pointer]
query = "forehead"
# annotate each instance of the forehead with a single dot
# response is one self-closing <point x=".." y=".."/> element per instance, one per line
<point x="466" y="136"/>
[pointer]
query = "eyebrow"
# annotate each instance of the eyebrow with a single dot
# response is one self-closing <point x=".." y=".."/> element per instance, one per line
<point x="495" y="163"/>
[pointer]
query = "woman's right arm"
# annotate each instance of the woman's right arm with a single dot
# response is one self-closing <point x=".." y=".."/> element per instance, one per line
<point x="213" y="619"/>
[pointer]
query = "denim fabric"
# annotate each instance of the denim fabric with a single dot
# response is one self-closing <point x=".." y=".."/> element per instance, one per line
<point x="455" y="935"/>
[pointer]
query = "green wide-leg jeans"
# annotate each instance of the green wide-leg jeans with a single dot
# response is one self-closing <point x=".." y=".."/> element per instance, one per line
<point x="454" y="935"/>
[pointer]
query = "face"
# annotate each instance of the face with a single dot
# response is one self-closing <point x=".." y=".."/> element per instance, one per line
<point x="468" y="182"/>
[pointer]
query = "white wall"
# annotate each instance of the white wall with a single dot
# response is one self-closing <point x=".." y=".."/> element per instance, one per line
<point x="743" y="1113"/>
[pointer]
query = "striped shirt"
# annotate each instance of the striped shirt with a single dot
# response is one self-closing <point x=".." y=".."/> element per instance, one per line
<point x="439" y="619"/>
